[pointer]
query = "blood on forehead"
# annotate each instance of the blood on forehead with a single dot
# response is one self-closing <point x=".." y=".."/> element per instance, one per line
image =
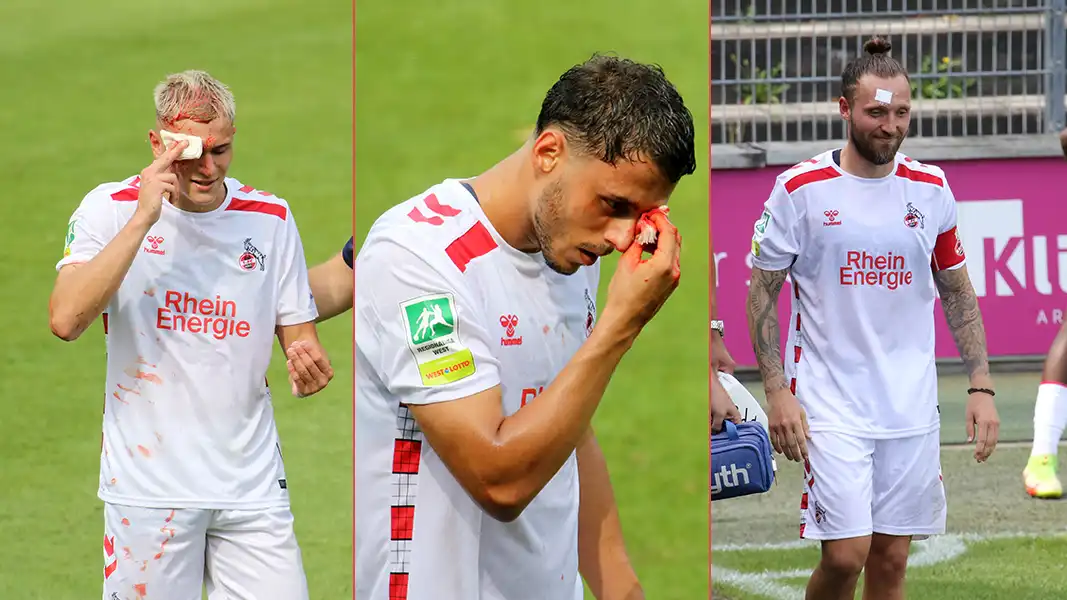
<point x="198" y="107"/>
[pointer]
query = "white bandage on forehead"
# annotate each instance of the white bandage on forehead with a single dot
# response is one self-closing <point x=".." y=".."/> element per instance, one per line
<point x="883" y="96"/>
<point x="193" y="150"/>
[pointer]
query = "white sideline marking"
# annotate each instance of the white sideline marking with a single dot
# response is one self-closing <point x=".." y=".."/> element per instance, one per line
<point x="935" y="550"/>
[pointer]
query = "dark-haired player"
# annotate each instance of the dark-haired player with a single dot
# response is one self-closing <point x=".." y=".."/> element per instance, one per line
<point x="480" y="360"/>
<point x="868" y="236"/>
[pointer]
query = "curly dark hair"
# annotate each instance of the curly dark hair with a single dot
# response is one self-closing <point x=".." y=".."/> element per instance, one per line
<point x="614" y="108"/>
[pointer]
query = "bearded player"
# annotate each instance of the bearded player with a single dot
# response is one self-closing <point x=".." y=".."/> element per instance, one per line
<point x="480" y="360"/>
<point x="868" y="236"/>
<point x="195" y="274"/>
<point x="1040" y="478"/>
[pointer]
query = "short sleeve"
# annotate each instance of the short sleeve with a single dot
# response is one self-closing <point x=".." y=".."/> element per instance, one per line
<point x="948" y="249"/>
<point x="90" y="228"/>
<point x="295" y="302"/>
<point x="346" y="253"/>
<point x="775" y="239"/>
<point x="421" y="328"/>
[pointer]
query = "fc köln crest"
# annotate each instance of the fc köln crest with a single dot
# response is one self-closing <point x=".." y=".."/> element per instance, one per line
<point x="252" y="258"/>
<point x="914" y="218"/>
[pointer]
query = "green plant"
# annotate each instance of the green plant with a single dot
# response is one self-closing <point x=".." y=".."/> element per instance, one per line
<point x="766" y="91"/>
<point x="940" y="87"/>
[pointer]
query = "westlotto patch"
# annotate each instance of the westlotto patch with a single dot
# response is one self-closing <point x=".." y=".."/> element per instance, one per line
<point x="432" y="329"/>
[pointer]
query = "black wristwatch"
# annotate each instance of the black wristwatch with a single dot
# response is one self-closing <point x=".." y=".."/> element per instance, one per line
<point x="717" y="325"/>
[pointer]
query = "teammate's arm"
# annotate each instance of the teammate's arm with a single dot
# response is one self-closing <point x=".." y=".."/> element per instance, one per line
<point x="722" y="407"/>
<point x="720" y="356"/>
<point x="82" y="291"/>
<point x="602" y="559"/>
<point x="332" y="284"/>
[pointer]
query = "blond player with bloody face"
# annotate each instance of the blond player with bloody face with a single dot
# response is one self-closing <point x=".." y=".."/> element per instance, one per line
<point x="868" y="237"/>
<point x="195" y="274"/>
<point x="480" y="358"/>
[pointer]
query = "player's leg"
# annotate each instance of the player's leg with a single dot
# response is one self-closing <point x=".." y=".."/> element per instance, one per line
<point x="909" y="503"/>
<point x="835" y="508"/>
<point x="253" y="554"/>
<point x="887" y="563"/>
<point x="1050" y="417"/>
<point x="153" y="552"/>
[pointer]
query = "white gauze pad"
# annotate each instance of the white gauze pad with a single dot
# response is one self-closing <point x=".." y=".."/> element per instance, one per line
<point x="883" y="96"/>
<point x="646" y="230"/>
<point x="193" y="150"/>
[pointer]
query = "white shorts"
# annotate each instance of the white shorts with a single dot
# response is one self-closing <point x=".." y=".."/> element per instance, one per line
<point x="175" y="554"/>
<point x="854" y="487"/>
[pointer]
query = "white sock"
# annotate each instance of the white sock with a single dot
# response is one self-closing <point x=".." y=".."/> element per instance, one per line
<point x="1050" y="417"/>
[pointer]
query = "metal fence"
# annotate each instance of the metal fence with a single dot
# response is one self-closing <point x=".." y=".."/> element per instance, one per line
<point x="978" y="67"/>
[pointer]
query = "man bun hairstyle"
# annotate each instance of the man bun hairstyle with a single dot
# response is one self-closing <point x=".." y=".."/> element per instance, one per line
<point x="878" y="45"/>
<point x="875" y="61"/>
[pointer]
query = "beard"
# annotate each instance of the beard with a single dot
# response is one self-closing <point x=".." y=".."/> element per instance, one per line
<point x="868" y="150"/>
<point x="548" y="227"/>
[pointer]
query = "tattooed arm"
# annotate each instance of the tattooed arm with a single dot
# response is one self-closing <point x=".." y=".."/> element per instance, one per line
<point x="763" y="327"/>
<point x="788" y="425"/>
<point x="960" y="304"/>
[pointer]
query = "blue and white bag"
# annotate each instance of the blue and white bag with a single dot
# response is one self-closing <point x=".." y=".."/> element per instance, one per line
<point x="742" y="458"/>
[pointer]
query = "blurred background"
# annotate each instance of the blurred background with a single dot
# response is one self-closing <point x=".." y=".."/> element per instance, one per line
<point x="77" y="106"/>
<point x="447" y="89"/>
<point x="988" y="89"/>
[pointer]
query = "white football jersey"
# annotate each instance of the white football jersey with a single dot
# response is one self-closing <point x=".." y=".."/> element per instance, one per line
<point x="188" y="421"/>
<point x="446" y="309"/>
<point x="861" y="255"/>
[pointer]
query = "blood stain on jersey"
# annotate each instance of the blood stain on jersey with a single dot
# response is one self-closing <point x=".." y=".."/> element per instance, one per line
<point x="129" y="390"/>
<point x="145" y="452"/>
<point x="136" y="373"/>
<point x="150" y="292"/>
<point x="119" y="398"/>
